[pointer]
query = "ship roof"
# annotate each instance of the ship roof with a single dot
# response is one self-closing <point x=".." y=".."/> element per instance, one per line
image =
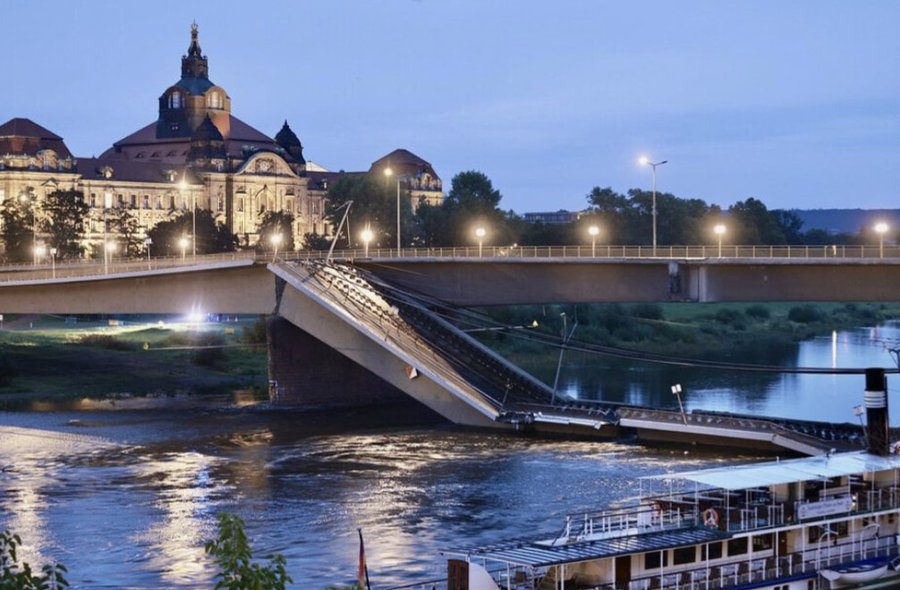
<point x="739" y="477"/>
<point x="539" y="554"/>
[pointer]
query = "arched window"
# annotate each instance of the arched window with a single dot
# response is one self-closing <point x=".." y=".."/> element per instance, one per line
<point x="175" y="100"/>
<point x="214" y="100"/>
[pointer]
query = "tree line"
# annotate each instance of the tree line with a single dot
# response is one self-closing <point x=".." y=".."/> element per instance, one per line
<point x="59" y="223"/>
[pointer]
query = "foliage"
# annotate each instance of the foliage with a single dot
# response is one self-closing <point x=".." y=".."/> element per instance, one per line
<point x="127" y="229"/>
<point x="255" y="333"/>
<point x="232" y="553"/>
<point x="16" y="576"/>
<point x="212" y="236"/>
<point x="65" y="212"/>
<point x="314" y="241"/>
<point x="805" y="314"/>
<point x="374" y="205"/>
<point x="107" y="341"/>
<point x="647" y="311"/>
<point x="276" y="223"/>
<point x="209" y="352"/>
<point x="17" y="228"/>
<point x="7" y="371"/>
<point x="759" y="312"/>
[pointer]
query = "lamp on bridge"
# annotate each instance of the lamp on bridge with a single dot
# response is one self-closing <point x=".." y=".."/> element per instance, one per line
<point x="109" y="248"/>
<point x="480" y="232"/>
<point x="147" y="243"/>
<point x="39" y="252"/>
<point x="645" y="161"/>
<point x="720" y="230"/>
<point x="388" y="172"/>
<point x="183" y="243"/>
<point x="53" y="262"/>
<point x="275" y="239"/>
<point x="881" y="229"/>
<point x="367" y="236"/>
<point x="593" y="230"/>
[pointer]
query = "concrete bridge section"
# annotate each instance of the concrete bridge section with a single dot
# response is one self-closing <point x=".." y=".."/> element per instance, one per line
<point x="514" y="281"/>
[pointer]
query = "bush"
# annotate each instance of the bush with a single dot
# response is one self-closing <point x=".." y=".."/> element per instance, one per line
<point x="106" y="341"/>
<point x="759" y="312"/>
<point x="232" y="553"/>
<point x="7" y="372"/>
<point x="647" y="311"/>
<point x="805" y="314"/>
<point x="20" y="576"/>
<point x="255" y="333"/>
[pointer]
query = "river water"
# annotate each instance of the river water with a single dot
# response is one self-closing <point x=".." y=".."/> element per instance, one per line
<point x="127" y="498"/>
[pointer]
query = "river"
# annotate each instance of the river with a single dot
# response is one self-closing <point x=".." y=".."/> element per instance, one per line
<point x="127" y="498"/>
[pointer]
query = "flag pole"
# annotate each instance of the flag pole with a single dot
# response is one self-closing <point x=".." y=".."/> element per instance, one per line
<point x="363" y="572"/>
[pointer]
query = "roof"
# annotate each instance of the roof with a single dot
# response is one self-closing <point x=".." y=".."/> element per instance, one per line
<point x="24" y="136"/>
<point x="403" y="163"/>
<point x="752" y="475"/>
<point x="132" y="170"/>
<point x="537" y="554"/>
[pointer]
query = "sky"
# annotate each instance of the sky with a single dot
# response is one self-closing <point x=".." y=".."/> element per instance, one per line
<point x="793" y="103"/>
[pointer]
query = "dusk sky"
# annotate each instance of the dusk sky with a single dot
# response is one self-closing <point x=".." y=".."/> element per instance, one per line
<point x="794" y="103"/>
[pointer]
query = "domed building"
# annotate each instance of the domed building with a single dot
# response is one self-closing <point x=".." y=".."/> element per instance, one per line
<point x="195" y="154"/>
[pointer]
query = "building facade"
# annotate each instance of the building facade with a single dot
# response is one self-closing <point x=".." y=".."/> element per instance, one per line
<point x="196" y="154"/>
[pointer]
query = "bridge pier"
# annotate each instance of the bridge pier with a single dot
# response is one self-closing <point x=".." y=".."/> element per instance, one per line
<point x="305" y="371"/>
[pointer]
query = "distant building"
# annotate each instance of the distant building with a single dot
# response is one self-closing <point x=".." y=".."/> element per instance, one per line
<point x="561" y="216"/>
<point x="196" y="154"/>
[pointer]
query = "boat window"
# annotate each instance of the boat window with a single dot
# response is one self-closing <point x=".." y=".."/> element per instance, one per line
<point x="762" y="542"/>
<point x="713" y="551"/>
<point x="684" y="555"/>
<point x="652" y="560"/>
<point x="737" y="546"/>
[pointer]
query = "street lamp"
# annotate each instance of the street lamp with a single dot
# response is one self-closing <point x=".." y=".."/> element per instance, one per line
<point x="646" y="162"/>
<point x="28" y="197"/>
<point x="109" y="249"/>
<point x="183" y="242"/>
<point x="276" y="240"/>
<point x="480" y="233"/>
<point x="367" y="236"/>
<point x="593" y="230"/>
<point x="388" y="172"/>
<point x="720" y="230"/>
<point x="147" y="243"/>
<point x="881" y="227"/>
<point x="184" y="186"/>
<point x="53" y="262"/>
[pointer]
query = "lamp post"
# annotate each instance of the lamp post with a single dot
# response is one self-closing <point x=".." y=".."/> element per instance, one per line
<point x="480" y="233"/>
<point x="720" y="230"/>
<point x="366" y="238"/>
<point x="53" y="262"/>
<point x="147" y="243"/>
<point x="646" y="162"/>
<point x="28" y="197"/>
<point x="183" y="242"/>
<point x="388" y="172"/>
<point x="40" y="251"/>
<point x="593" y="230"/>
<point x="881" y="228"/>
<point x="276" y="240"/>
<point x="184" y="186"/>
<point x="109" y="249"/>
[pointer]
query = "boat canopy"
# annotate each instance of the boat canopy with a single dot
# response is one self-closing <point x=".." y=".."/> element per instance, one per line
<point x="540" y="554"/>
<point x="739" y="477"/>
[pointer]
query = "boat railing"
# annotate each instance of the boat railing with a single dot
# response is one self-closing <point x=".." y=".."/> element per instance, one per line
<point x="646" y="517"/>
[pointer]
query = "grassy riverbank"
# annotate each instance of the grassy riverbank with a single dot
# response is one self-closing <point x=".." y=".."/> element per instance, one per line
<point x="740" y="332"/>
<point x="50" y="357"/>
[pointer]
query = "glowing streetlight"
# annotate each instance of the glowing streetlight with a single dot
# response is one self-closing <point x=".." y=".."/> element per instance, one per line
<point x="480" y="232"/>
<point x="388" y="172"/>
<point x="147" y="243"/>
<point x="40" y="252"/>
<point x="183" y="243"/>
<point x="367" y="236"/>
<point x="53" y="262"/>
<point x="183" y="186"/>
<point x="275" y="239"/>
<point x="593" y="230"/>
<point x="720" y="230"/>
<point x="881" y="228"/>
<point x="645" y="161"/>
<point x="109" y="248"/>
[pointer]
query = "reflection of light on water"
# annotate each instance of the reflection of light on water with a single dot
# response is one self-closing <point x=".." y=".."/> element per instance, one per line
<point x="834" y="339"/>
<point x="26" y="504"/>
<point x="177" y="538"/>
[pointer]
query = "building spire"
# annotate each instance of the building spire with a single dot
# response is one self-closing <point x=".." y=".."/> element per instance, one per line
<point x="194" y="64"/>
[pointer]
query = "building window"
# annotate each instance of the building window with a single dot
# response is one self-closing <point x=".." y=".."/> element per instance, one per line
<point x="107" y="200"/>
<point x="240" y="204"/>
<point x="146" y="202"/>
<point x="93" y="200"/>
<point x="120" y="201"/>
<point x="172" y="202"/>
<point x="220" y="204"/>
<point x="214" y="100"/>
<point x="175" y="100"/>
<point x="133" y="202"/>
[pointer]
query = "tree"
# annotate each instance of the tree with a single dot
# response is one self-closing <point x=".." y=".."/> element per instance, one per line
<point x="127" y="229"/>
<point x="65" y="212"/>
<point x="374" y="204"/>
<point x="18" y="229"/>
<point x="232" y="553"/>
<point x="314" y="241"/>
<point x="472" y="201"/>
<point x="755" y="224"/>
<point x="276" y="223"/>
<point x="212" y="236"/>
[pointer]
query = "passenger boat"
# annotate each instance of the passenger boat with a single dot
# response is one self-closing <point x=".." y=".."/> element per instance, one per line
<point x="812" y="523"/>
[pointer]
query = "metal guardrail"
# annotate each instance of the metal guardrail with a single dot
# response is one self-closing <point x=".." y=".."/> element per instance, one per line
<point x="45" y="270"/>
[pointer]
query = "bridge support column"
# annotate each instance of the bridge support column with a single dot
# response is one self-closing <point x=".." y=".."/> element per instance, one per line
<point x="305" y="371"/>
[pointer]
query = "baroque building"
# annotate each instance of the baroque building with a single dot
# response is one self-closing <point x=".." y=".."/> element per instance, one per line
<point x="196" y="154"/>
